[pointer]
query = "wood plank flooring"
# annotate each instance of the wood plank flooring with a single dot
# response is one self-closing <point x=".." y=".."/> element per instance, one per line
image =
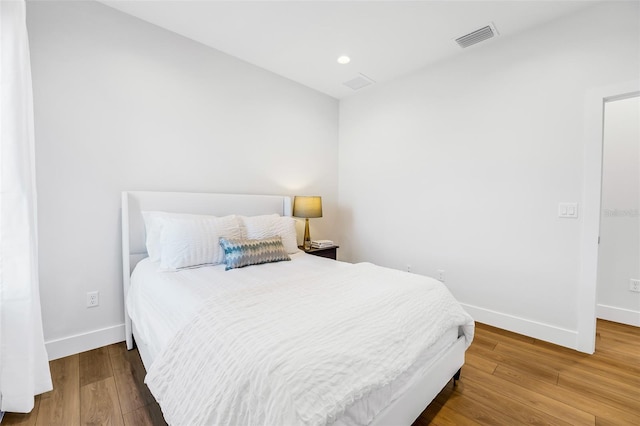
<point x="508" y="379"/>
<point x="104" y="386"/>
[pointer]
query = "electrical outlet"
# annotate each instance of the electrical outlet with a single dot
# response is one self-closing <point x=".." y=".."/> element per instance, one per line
<point x="408" y="268"/>
<point x="93" y="299"/>
<point x="634" y="285"/>
<point x="441" y="275"/>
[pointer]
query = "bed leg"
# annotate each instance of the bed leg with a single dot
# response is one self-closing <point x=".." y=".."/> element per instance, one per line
<point x="456" y="377"/>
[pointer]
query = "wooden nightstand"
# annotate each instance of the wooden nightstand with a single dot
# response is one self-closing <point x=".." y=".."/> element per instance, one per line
<point x="328" y="252"/>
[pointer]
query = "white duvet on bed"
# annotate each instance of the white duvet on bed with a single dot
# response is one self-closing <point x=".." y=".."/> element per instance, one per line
<point x="319" y="340"/>
<point x="159" y="302"/>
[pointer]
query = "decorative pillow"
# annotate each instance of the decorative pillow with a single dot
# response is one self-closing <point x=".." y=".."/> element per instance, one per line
<point x="272" y="225"/>
<point x="194" y="241"/>
<point x="240" y="252"/>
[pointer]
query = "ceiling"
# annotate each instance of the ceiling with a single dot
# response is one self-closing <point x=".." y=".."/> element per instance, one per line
<point x="301" y="40"/>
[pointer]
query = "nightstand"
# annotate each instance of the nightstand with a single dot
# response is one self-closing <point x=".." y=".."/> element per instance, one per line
<point x="328" y="252"/>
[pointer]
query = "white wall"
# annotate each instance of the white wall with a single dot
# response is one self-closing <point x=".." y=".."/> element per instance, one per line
<point x="123" y="105"/>
<point x="461" y="167"/>
<point x="619" y="250"/>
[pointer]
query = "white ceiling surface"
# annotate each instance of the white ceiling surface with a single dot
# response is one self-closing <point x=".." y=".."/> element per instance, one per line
<point x="301" y="40"/>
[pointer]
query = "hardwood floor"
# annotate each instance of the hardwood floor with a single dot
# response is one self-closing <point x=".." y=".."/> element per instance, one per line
<point x="511" y="379"/>
<point x="104" y="386"/>
<point x="508" y="379"/>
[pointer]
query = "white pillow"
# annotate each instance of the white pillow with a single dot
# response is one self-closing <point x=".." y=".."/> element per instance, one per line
<point x="153" y="222"/>
<point x="272" y="225"/>
<point x="194" y="241"/>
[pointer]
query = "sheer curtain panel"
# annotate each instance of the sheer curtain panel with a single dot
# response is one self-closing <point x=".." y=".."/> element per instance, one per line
<point x="24" y="369"/>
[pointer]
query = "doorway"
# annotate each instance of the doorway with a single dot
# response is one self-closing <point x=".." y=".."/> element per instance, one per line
<point x="595" y="101"/>
<point x="618" y="279"/>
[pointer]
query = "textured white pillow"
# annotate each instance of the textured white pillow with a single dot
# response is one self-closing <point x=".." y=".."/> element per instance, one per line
<point x="272" y="225"/>
<point x="194" y="241"/>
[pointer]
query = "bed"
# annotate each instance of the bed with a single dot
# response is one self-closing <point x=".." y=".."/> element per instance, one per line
<point x="163" y="310"/>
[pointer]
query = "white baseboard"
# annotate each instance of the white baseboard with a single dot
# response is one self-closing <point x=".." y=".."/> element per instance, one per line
<point x="534" y="329"/>
<point x="71" y="345"/>
<point x="621" y="315"/>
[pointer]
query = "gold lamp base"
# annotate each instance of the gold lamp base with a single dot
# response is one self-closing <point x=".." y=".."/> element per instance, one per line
<point x="306" y="242"/>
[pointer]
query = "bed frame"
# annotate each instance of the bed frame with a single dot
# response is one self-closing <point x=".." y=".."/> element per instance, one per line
<point x="420" y="391"/>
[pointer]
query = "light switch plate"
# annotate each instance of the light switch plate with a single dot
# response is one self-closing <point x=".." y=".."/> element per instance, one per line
<point x="568" y="210"/>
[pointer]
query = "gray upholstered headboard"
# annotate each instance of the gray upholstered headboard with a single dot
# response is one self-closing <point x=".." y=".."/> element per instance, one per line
<point x="133" y="231"/>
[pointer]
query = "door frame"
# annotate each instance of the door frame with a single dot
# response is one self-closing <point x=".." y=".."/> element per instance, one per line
<point x="591" y="205"/>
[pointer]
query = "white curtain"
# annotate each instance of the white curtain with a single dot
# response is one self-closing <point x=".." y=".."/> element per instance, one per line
<point x="24" y="369"/>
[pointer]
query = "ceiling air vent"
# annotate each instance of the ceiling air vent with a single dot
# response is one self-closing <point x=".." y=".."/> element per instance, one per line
<point x="359" y="82"/>
<point x="481" y="34"/>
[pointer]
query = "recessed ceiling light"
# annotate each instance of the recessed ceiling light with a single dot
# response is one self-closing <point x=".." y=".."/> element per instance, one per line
<point x="344" y="60"/>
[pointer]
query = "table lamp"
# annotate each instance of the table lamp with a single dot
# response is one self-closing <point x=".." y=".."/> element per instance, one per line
<point x="307" y="207"/>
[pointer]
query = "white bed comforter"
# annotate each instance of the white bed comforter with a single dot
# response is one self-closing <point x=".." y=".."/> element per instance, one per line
<point x="300" y="352"/>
